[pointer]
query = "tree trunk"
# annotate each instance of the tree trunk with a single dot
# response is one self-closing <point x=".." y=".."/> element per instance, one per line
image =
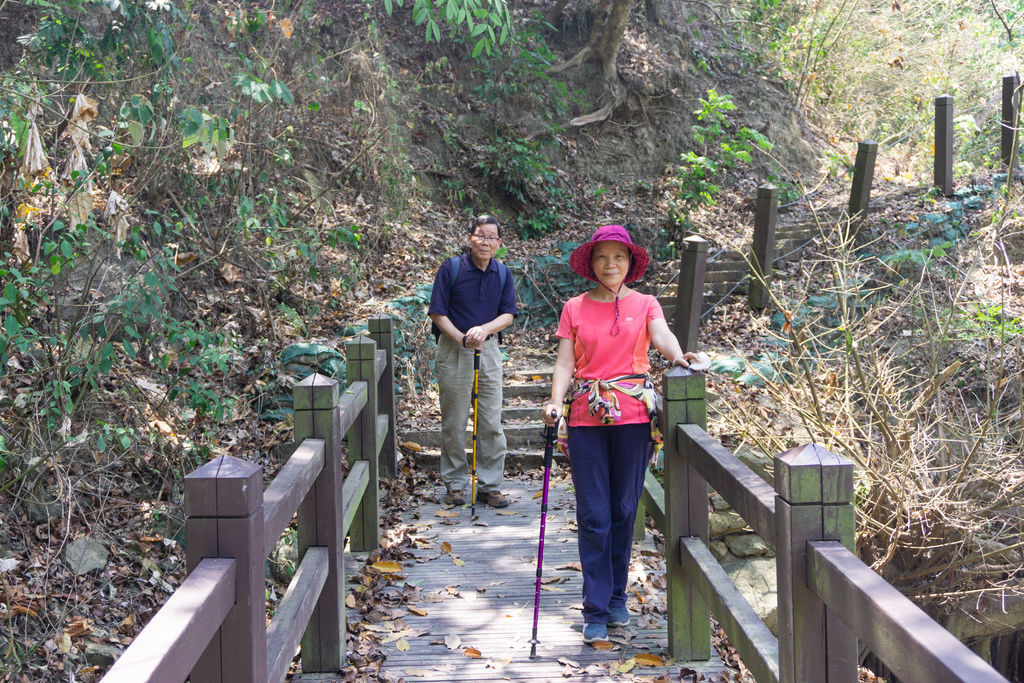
<point x="608" y="43"/>
<point x="603" y="47"/>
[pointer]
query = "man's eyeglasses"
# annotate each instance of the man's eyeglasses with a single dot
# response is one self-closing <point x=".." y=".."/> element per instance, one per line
<point x="486" y="239"/>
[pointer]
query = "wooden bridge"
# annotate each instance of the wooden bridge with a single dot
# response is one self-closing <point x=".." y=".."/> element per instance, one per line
<point x="470" y="617"/>
<point x="480" y="574"/>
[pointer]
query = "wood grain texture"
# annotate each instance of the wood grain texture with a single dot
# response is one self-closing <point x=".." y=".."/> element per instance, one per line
<point x="488" y="602"/>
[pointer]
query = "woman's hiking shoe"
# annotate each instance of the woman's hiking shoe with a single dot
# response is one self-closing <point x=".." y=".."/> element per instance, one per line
<point x="619" y="617"/>
<point x="454" y="498"/>
<point x="594" y="632"/>
<point x="493" y="498"/>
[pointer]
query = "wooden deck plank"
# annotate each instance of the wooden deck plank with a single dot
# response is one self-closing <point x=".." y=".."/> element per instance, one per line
<point x="487" y="602"/>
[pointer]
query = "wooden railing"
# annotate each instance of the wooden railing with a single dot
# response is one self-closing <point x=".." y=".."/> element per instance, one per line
<point x="213" y="628"/>
<point x="827" y="597"/>
<point x="687" y="307"/>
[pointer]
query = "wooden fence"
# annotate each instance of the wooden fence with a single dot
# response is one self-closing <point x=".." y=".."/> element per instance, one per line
<point x="213" y="628"/>
<point x="828" y="600"/>
<point x="687" y="307"/>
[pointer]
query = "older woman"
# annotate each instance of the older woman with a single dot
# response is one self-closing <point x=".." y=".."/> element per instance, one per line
<point x="604" y="336"/>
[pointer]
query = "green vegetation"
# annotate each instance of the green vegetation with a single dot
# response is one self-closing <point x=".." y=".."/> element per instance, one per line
<point x="698" y="179"/>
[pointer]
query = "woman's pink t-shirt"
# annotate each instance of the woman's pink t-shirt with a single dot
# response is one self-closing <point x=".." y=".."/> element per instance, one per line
<point x="599" y="355"/>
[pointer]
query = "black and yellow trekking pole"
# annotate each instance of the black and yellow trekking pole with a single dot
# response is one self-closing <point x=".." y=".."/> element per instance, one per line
<point x="476" y="386"/>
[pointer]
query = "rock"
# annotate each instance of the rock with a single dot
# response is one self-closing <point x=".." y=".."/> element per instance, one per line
<point x="755" y="578"/>
<point x="283" y="559"/>
<point x="41" y="511"/>
<point x="974" y="618"/>
<point x="997" y="552"/>
<point x="84" y="555"/>
<point x="719" y="503"/>
<point x="719" y="549"/>
<point x="101" y="654"/>
<point x="747" y="545"/>
<point x="725" y="522"/>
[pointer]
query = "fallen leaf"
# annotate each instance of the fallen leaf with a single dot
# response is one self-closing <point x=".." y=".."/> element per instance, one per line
<point x="452" y="641"/>
<point x="350" y="601"/>
<point x="458" y="562"/>
<point x="386" y="567"/>
<point x="79" y="626"/>
<point x="447" y="513"/>
<point x="647" y="659"/>
<point x="286" y="26"/>
<point x="184" y="259"/>
<point x="576" y="566"/>
<point x="446" y="547"/>
<point x="626" y="666"/>
<point x="538" y="494"/>
<point x="162" y="427"/>
<point x="472" y="652"/>
<point x="602" y="645"/>
<point x="498" y="663"/>
<point x="553" y="589"/>
<point x="402" y="644"/>
<point x="508" y="513"/>
<point x="231" y="273"/>
<point x="412" y="446"/>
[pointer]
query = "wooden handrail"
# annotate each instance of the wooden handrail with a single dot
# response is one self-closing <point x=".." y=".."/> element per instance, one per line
<point x="171" y="643"/>
<point x="827" y="597"/>
<point x="351" y="404"/>
<point x="747" y="493"/>
<point x="654" y="501"/>
<point x="293" y="612"/>
<point x="352" y="492"/>
<point x="756" y="645"/>
<point x="289" y="487"/>
<point x="214" y="626"/>
<point x="899" y="632"/>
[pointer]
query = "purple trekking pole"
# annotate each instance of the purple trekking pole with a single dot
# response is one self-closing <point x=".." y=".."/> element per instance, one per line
<point x="549" y="442"/>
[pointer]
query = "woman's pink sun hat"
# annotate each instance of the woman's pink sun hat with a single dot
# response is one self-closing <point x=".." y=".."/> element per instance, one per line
<point x="580" y="259"/>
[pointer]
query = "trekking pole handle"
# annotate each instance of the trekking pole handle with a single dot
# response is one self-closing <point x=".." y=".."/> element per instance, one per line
<point x="549" y="444"/>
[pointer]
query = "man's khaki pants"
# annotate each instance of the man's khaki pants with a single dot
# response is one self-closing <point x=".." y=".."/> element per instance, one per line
<point x="453" y="367"/>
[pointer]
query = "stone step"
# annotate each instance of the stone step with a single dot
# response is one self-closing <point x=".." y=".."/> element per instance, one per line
<point x="801" y="232"/>
<point x="429" y="458"/>
<point x="524" y="412"/>
<point x="534" y="389"/>
<point x="530" y="375"/>
<point x="725" y="275"/>
<point x="519" y="436"/>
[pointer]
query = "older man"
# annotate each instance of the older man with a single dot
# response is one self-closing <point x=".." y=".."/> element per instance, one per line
<point x="473" y="299"/>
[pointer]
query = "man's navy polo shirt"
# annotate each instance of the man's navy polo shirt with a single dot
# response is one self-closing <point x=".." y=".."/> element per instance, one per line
<point x="477" y="297"/>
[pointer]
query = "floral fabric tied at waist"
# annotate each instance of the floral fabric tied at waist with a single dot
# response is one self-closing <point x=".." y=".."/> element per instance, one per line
<point x="602" y="398"/>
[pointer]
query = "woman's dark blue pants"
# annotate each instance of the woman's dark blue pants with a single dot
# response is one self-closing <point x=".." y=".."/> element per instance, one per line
<point x="608" y="466"/>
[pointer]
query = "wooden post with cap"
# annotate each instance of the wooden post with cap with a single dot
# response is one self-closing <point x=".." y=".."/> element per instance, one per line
<point x="693" y="265"/>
